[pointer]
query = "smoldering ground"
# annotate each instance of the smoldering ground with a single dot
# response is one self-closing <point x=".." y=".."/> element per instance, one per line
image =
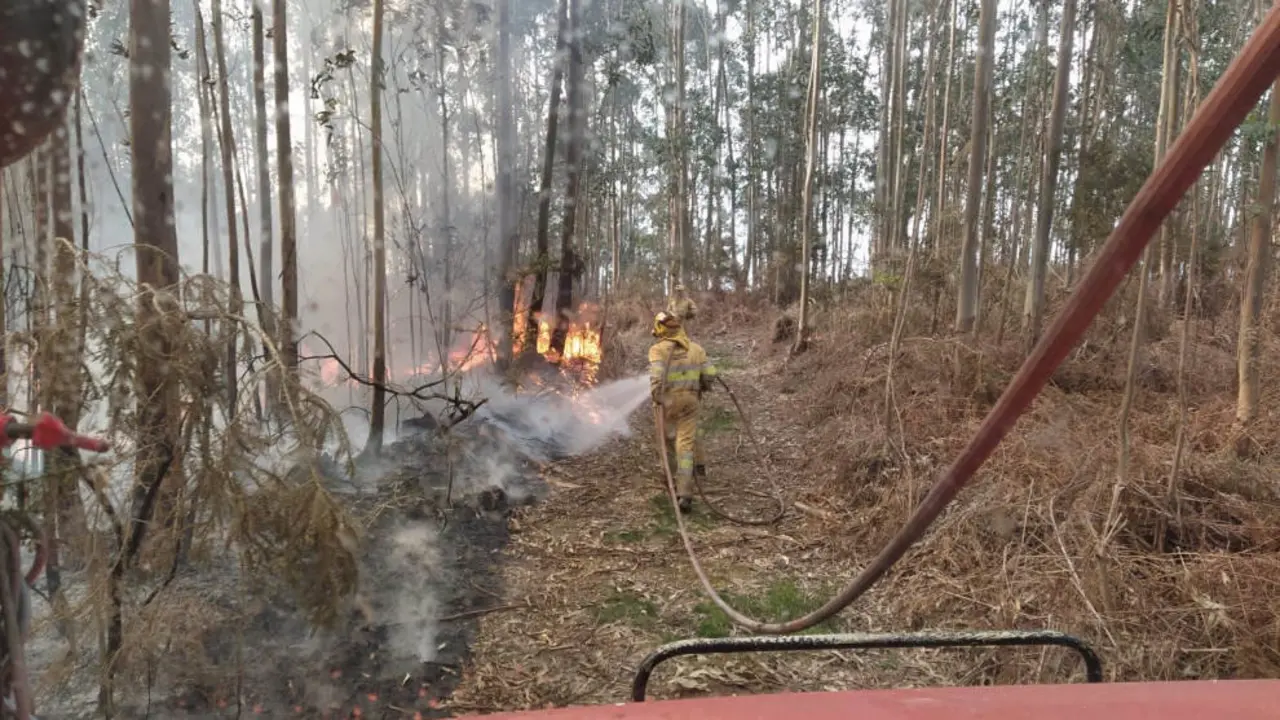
<point x="435" y="506"/>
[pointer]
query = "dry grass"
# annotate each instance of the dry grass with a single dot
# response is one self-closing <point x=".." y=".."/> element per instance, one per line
<point x="1165" y="585"/>
<point x="248" y="494"/>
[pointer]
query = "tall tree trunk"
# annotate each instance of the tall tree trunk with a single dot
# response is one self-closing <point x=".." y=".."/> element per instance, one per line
<point x="967" y="301"/>
<point x="206" y="135"/>
<point x="1255" y="280"/>
<point x="228" y="144"/>
<point x="267" y="283"/>
<point x="508" y="217"/>
<point x="265" y="287"/>
<point x="944" y="137"/>
<point x="897" y="121"/>
<point x="377" y="413"/>
<point x="884" y="157"/>
<point x="573" y="161"/>
<point x="444" y="332"/>
<point x="1033" y="311"/>
<point x="156" y="250"/>
<point x="1084" y="135"/>
<point x="811" y="147"/>
<point x="64" y="359"/>
<point x="753" y="178"/>
<point x="4" y="305"/>
<point x="543" y="261"/>
<point x="288" y="211"/>
<point x="677" y="224"/>
<point x="1168" y="97"/>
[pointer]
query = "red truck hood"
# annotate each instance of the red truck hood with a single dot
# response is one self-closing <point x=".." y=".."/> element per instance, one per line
<point x="1193" y="700"/>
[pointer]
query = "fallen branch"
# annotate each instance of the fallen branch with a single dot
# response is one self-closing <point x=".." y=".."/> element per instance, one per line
<point x="418" y="392"/>
<point x="813" y="511"/>
<point x="481" y="611"/>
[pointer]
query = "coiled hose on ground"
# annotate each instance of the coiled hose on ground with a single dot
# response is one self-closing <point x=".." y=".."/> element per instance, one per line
<point x="776" y="493"/>
<point x="1236" y="93"/>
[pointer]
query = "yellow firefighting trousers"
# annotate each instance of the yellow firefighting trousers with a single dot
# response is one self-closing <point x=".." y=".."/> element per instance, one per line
<point x="680" y="416"/>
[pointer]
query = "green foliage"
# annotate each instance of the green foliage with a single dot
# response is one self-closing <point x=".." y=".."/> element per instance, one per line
<point x="628" y="607"/>
<point x="720" y="420"/>
<point x="664" y="517"/>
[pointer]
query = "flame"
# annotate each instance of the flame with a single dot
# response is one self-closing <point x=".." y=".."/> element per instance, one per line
<point x="471" y="349"/>
<point x="582" y="343"/>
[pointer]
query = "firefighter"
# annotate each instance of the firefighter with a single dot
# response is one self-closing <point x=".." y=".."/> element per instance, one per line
<point x="680" y="305"/>
<point x="679" y="373"/>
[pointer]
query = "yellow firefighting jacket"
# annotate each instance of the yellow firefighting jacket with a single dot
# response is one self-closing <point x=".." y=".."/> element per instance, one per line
<point x="682" y="362"/>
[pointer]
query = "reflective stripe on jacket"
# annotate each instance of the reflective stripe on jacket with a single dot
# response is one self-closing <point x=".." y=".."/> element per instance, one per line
<point x="684" y="364"/>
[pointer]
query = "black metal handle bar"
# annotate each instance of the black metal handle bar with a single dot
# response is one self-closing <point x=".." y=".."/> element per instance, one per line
<point x="864" y="641"/>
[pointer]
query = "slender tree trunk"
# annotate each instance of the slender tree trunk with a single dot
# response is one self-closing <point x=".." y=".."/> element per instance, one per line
<point x="967" y="303"/>
<point x="156" y="250"/>
<point x="1033" y="311"/>
<point x="377" y="413"/>
<point x="260" y="147"/>
<point x="1168" y="97"/>
<point x="508" y="218"/>
<point x="288" y="210"/>
<point x="265" y="287"/>
<point x="573" y="161"/>
<point x="811" y="147"/>
<point x="1256" y="271"/>
<point x="543" y="261"/>
<point x="749" y="153"/>
<point x="444" y="333"/>
<point x="228" y="143"/>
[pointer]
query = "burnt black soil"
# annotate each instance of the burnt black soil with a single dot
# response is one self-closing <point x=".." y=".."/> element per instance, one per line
<point x="355" y="670"/>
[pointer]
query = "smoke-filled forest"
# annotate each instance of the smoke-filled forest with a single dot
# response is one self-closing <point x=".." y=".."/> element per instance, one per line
<point x="362" y="296"/>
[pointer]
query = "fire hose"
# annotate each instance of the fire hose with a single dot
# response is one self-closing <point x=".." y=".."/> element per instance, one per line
<point x="1236" y="93"/>
<point x="47" y="433"/>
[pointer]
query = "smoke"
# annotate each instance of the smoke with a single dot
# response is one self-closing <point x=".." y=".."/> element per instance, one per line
<point x="407" y="571"/>
<point x="413" y="610"/>
<point x="549" y="425"/>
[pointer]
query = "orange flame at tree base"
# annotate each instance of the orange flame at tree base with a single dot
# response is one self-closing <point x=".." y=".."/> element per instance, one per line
<point x="582" y="342"/>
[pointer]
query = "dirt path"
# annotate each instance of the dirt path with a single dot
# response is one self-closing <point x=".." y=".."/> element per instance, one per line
<point x="601" y="565"/>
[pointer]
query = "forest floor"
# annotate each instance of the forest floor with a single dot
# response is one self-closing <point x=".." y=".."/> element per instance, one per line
<point x="602" y="569"/>
<point x="1049" y="541"/>
<point x="517" y="583"/>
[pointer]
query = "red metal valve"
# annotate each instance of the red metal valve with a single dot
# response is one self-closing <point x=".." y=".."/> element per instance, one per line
<point x="50" y="432"/>
<point x="47" y="433"/>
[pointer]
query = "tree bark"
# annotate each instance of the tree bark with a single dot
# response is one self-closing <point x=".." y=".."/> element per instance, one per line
<point x="1033" y="311"/>
<point x="228" y="146"/>
<point x="288" y="210"/>
<point x="811" y="147"/>
<point x="156" y="251"/>
<point x="543" y="260"/>
<point x="573" y="162"/>
<point x="508" y="218"/>
<point x="1255" y="280"/>
<point x="967" y="302"/>
<point x="377" y="413"/>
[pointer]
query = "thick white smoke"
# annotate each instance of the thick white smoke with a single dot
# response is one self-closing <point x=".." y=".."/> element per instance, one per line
<point x="551" y="424"/>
